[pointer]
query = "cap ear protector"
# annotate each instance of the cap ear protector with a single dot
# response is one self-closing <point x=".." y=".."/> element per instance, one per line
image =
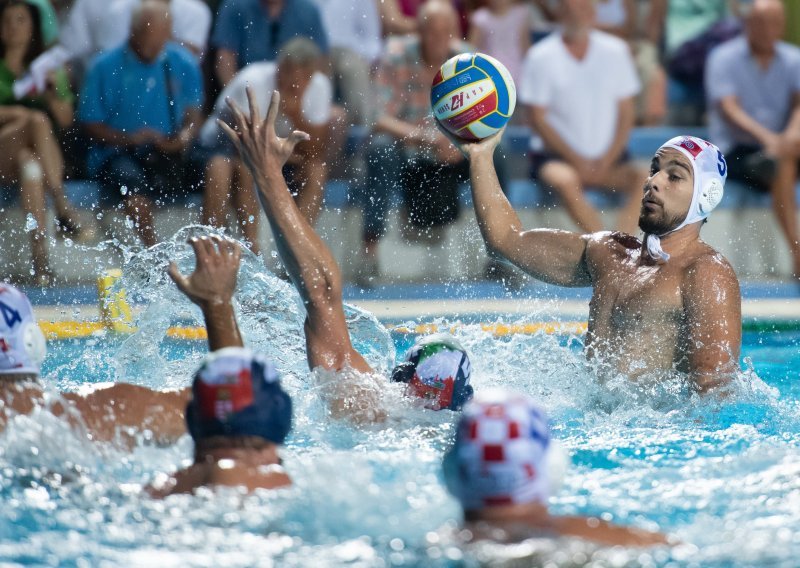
<point x="34" y="343"/>
<point x="710" y="196"/>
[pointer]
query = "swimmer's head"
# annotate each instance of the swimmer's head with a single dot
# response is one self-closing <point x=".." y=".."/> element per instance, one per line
<point x="686" y="183"/>
<point x="503" y="454"/>
<point x="236" y="393"/>
<point x="437" y="370"/>
<point x="22" y="343"/>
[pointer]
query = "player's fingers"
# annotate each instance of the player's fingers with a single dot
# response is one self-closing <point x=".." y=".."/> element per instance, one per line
<point x="298" y="136"/>
<point x="177" y="277"/>
<point x="238" y="115"/>
<point x="255" y="113"/>
<point x="274" y="103"/>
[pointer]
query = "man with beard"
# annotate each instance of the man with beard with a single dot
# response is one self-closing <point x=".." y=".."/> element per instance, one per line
<point x="669" y="302"/>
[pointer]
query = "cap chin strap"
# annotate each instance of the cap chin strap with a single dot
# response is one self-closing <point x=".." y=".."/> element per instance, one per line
<point x="697" y="212"/>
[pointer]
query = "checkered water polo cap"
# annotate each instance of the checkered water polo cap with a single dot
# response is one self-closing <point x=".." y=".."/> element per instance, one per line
<point x="710" y="172"/>
<point x="437" y="370"/>
<point x="22" y="343"/>
<point x="238" y="393"/>
<point x="500" y="452"/>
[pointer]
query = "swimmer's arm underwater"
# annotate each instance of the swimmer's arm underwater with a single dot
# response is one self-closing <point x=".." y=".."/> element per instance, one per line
<point x="556" y="257"/>
<point x="713" y="312"/>
<point x="307" y="259"/>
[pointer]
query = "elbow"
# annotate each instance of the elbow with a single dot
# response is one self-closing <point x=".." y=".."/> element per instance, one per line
<point x="323" y="285"/>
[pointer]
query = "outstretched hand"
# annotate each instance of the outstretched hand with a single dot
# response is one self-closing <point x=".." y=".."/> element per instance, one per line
<point x="259" y="146"/>
<point x="214" y="278"/>
<point x="472" y="149"/>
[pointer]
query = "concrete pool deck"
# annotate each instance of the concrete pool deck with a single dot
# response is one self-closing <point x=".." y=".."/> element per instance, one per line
<point x="534" y="302"/>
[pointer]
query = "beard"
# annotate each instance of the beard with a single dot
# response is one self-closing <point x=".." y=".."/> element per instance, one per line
<point x="658" y="223"/>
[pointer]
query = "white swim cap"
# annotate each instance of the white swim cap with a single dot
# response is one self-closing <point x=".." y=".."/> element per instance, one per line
<point x="22" y="343"/>
<point x="501" y="453"/>
<point x="710" y="171"/>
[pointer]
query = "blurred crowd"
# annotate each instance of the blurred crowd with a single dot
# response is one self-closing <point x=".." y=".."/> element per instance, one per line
<point x="128" y="93"/>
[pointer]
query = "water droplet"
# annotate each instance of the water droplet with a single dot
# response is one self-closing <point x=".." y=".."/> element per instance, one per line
<point x="274" y="254"/>
<point x="68" y="242"/>
<point x="30" y="223"/>
<point x="251" y="219"/>
<point x="124" y="190"/>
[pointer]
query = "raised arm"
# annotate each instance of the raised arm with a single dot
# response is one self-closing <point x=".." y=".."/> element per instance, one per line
<point x="307" y="259"/>
<point x="713" y="309"/>
<point x="122" y="408"/>
<point x="557" y="257"/>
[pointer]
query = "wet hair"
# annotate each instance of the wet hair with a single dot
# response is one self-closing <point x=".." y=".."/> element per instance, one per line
<point x="36" y="45"/>
<point x="300" y="52"/>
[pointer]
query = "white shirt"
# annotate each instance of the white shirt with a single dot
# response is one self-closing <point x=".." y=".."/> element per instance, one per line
<point x="354" y="25"/>
<point x="97" y="25"/>
<point x="581" y="96"/>
<point x="315" y="106"/>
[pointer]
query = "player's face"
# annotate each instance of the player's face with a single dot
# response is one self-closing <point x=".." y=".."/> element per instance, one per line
<point x="578" y="12"/>
<point x="667" y="192"/>
<point x="436" y="33"/>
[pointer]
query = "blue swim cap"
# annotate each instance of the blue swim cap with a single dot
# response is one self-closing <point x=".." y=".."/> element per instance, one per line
<point x="238" y="393"/>
<point x="437" y="369"/>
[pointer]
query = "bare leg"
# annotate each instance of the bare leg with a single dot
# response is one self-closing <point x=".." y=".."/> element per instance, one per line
<point x="219" y="179"/>
<point x="784" y="206"/>
<point x="44" y="143"/>
<point x="33" y="203"/>
<point x="247" y="208"/>
<point x="564" y="180"/>
<point x="140" y="209"/>
<point x="628" y="179"/>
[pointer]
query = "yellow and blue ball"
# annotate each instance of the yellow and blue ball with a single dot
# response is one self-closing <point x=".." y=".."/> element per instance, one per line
<point x="473" y="95"/>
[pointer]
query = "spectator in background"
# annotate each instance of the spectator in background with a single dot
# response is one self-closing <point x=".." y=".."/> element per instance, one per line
<point x="31" y="154"/>
<point x="502" y="29"/>
<point x="354" y="35"/>
<point x="687" y="30"/>
<point x="393" y="20"/>
<point x="305" y="105"/>
<point x="753" y="89"/>
<point x="140" y="105"/>
<point x="249" y="31"/>
<point x="621" y="18"/>
<point x="406" y="148"/>
<point x="94" y="26"/>
<point x="579" y="86"/>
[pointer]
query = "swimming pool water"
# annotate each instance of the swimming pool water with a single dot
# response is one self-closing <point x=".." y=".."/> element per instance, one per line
<point x="721" y="475"/>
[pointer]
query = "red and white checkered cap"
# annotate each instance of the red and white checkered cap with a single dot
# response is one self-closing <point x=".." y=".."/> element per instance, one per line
<point x="500" y="453"/>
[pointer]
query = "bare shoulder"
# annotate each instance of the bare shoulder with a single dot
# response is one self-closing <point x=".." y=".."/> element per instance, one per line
<point x="606" y="246"/>
<point x="710" y="272"/>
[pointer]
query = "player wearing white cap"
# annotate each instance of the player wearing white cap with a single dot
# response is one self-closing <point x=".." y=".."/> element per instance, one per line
<point x="667" y="303"/>
<point x="503" y="467"/>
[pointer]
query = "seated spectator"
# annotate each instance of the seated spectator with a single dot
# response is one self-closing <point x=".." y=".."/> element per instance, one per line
<point x="687" y="30"/>
<point x="249" y="31"/>
<point x="306" y="106"/>
<point x="753" y="89"/>
<point x="579" y="86"/>
<point x="502" y="29"/>
<point x="407" y="150"/>
<point x="393" y="20"/>
<point x="140" y="105"/>
<point x="354" y="34"/>
<point x="32" y="156"/>
<point x="620" y="18"/>
<point x="94" y="26"/>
